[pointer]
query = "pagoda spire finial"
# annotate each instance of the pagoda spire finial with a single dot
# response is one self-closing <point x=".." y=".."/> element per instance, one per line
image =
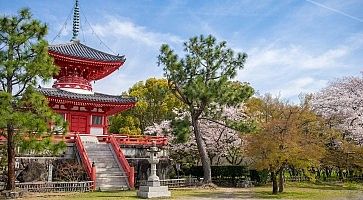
<point x="75" y="21"/>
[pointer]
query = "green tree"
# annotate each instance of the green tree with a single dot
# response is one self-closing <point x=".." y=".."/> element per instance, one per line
<point x="125" y="124"/>
<point x="202" y="79"/>
<point x="155" y="104"/>
<point x="287" y="135"/>
<point x="24" y="59"/>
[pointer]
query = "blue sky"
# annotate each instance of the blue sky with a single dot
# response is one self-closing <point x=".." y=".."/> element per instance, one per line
<point x="294" y="46"/>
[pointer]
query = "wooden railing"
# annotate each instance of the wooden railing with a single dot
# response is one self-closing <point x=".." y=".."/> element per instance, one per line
<point x="83" y="186"/>
<point x="125" y="140"/>
<point x="89" y="167"/>
<point x="143" y="140"/>
<point x="176" y="183"/>
<point x="122" y="160"/>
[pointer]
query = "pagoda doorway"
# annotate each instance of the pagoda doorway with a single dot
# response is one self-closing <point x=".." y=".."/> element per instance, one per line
<point x="78" y="123"/>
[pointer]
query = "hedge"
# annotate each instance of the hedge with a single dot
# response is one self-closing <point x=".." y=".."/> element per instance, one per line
<point x="220" y="171"/>
<point x="232" y="171"/>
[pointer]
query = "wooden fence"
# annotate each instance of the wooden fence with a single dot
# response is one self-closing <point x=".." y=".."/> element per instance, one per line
<point x="176" y="183"/>
<point x="84" y="186"/>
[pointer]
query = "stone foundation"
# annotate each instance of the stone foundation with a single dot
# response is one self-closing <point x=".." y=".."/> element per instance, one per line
<point x="7" y="194"/>
<point x="153" y="190"/>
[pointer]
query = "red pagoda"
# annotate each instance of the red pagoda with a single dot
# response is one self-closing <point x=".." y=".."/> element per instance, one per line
<point x="72" y="95"/>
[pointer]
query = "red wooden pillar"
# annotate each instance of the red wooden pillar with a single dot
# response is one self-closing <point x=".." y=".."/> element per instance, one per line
<point x="132" y="178"/>
<point x="105" y="125"/>
<point x="93" y="178"/>
<point x="89" y="123"/>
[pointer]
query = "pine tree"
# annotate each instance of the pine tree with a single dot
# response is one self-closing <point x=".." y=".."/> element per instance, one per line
<point x="24" y="60"/>
<point x="203" y="79"/>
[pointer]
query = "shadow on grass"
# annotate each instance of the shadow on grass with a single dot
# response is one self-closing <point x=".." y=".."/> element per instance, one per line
<point x="114" y="195"/>
<point x="308" y="190"/>
<point x="329" y="186"/>
<point x="284" y="195"/>
<point x="214" y="194"/>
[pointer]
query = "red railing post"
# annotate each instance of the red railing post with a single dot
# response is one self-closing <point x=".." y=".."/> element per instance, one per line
<point x="93" y="176"/>
<point x="132" y="178"/>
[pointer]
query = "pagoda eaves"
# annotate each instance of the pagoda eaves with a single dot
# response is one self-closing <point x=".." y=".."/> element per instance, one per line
<point x="78" y="59"/>
<point x="110" y="104"/>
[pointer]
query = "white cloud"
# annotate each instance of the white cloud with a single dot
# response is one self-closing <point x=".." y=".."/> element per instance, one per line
<point x="298" y="86"/>
<point x="294" y="69"/>
<point x="297" y="57"/>
<point x="335" y="10"/>
<point x="128" y="30"/>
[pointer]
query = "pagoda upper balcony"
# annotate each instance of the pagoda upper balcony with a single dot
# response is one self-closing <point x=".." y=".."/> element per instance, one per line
<point x="80" y="64"/>
<point x="72" y="82"/>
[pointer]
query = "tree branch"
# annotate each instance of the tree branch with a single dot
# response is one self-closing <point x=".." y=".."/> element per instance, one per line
<point x="179" y="95"/>
<point x="23" y="88"/>
<point x="217" y="122"/>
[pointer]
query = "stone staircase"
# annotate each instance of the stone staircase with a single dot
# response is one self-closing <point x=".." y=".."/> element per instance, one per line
<point x="109" y="173"/>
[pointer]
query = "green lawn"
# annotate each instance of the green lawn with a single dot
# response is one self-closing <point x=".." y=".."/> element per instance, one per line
<point x="292" y="191"/>
<point x="313" y="191"/>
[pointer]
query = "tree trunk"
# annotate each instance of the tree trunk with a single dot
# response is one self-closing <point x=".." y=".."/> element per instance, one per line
<point x="11" y="158"/>
<point x="274" y="182"/>
<point x="340" y="174"/>
<point x="281" y="180"/>
<point x="202" y="152"/>
<point x="318" y="173"/>
<point x="211" y="159"/>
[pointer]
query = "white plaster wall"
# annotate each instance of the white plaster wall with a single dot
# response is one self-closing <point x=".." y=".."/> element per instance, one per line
<point x="96" y="131"/>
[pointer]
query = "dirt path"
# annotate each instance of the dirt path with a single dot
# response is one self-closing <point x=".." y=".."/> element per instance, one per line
<point x="224" y="193"/>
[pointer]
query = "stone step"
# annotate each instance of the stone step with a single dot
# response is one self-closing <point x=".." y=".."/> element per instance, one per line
<point x="103" y="160"/>
<point x="98" y="152"/>
<point x="98" y="161"/>
<point x="113" y="188"/>
<point x="96" y="148"/>
<point x="88" y="139"/>
<point x="109" y="176"/>
<point x="111" y="181"/>
<point x="106" y="165"/>
<point x="108" y="158"/>
<point x="100" y="145"/>
<point x="119" y="184"/>
<point x="96" y="145"/>
<point x="109" y="155"/>
<point x="117" y="172"/>
<point x="108" y="170"/>
<point x="112" y="175"/>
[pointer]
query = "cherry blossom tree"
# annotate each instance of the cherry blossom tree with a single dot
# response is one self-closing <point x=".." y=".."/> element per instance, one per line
<point x="221" y="140"/>
<point x="341" y="102"/>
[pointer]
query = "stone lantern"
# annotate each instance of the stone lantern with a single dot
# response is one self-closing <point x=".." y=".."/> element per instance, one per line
<point x="153" y="188"/>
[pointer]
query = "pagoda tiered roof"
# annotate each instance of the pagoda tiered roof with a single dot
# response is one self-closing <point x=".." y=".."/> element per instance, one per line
<point x="78" y="50"/>
<point x="79" y="60"/>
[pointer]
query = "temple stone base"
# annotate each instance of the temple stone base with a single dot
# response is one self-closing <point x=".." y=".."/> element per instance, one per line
<point x="153" y="190"/>
<point x="7" y="194"/>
